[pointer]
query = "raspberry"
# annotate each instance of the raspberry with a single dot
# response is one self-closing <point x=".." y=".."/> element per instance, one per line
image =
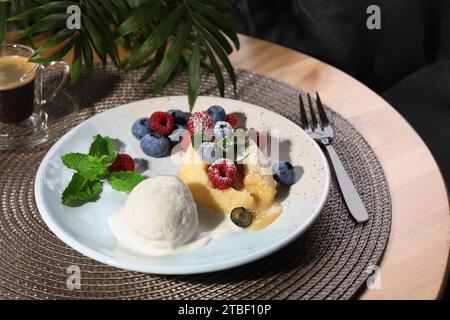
<point x="199" y="122"/>
<point x="161" y="122"/>
<point x="222" y="173"/>
<point x="123" y="163"/>
<point x="231" y="119"/>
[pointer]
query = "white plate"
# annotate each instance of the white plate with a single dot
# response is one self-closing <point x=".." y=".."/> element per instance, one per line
<point x="85" y="228"/>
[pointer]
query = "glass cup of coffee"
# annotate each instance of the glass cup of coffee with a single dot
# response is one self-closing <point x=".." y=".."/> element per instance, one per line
<point x="22" y="89"/>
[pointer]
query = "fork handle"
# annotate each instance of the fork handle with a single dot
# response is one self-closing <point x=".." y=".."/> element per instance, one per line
<point x="351" y="196"/>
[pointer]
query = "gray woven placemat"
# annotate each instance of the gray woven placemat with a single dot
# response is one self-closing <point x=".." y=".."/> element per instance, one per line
<point x="330" y="261"/>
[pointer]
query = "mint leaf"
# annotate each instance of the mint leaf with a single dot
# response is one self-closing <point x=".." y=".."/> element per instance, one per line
<point x="92" y="168"/>
<point x="80" y="190"/>
<point x="103" y="147"/>
<point x="124" y="181"/>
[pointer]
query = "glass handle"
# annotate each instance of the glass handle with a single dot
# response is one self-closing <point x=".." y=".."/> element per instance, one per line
<point x="49" y="94"/>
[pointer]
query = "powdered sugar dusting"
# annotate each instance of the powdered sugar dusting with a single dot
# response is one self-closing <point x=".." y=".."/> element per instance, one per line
<point x="199" y="122"/>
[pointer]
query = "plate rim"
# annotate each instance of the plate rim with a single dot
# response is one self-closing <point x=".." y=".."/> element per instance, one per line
<point x="177" y="269"/>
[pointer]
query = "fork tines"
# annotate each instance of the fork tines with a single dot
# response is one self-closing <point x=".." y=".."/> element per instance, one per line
<point x="303" y="117"/>
<point x="321" y="111"/>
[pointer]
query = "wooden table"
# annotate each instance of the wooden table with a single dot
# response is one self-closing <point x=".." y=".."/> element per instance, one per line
<point x="415" y="264"/>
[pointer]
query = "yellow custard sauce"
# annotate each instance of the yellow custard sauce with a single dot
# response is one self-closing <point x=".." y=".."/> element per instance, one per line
<point x="255" y="191"/>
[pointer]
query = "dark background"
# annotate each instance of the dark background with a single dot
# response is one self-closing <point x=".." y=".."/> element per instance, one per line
<point x="407" y="61"/>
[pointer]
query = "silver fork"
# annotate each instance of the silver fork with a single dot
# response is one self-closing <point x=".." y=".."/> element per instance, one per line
<point x="322" y="133"/>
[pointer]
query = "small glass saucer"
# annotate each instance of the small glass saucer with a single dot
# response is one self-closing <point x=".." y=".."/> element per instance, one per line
<point x="57" y="116"/>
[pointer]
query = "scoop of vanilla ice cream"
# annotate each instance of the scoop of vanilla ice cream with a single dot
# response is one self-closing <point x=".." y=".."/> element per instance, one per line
<point x="159" y="213"/>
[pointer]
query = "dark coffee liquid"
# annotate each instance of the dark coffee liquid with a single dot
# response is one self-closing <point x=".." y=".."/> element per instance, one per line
<point x="17" y="89"/>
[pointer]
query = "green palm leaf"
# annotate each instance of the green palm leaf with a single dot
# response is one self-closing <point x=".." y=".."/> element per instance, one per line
<point x="166" y="34"/>
<point x="48" y="8"/>
<point x="75" y="69"/>
<point x="155" y="63"/>
<point x="55" y="39"/>
<point x="3" y="15"/>
<point x="172" y="58"/>
<point x="213" y="16"/>
<point x="88" y="56"/>
<point x="214" y="67"/>
<point x="193" y="73"/>
<point x="156" y="39"/>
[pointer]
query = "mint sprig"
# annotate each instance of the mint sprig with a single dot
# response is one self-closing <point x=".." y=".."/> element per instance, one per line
<point x="91" y="168"/>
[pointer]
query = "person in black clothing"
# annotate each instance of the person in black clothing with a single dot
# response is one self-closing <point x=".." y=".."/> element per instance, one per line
<point x="407" y="61"/>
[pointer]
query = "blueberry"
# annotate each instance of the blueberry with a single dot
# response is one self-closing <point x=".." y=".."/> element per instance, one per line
<point x="284" y="173"/>
<point x="222" y="129"/>
<point x="140" y="128"/>
<point x="210" y="152"/>
<point x="217" y="113"/>
<point x="241" y="217"/>
<point x="155" y="145"/>
<point x="176" y="135"/>
<point x="179" y="117"/>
